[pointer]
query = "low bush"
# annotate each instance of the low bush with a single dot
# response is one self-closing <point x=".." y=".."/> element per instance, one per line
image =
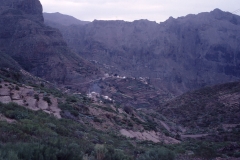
<point x="71" y="99"/>
<point x="17" y="88"/>
<point x="116" y="154"/>
<point x="48" y="100"/>
<point x="100" y="152"/>
<point x="36" y="96"/>
<point x="128" y="110"/>
<point x="158" y="154"/>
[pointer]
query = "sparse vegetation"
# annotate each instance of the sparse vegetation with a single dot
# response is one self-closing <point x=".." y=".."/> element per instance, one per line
<point x="17" y="88"/>
<point x="71" y="99"/>
<point x="128" y="109"/>
<point x="36" y="96"/>
<point x="38" y="132"/>
<point x="160" y="154"/>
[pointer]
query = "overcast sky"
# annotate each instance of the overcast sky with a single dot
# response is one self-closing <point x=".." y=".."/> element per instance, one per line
<point x="129" y="10"/>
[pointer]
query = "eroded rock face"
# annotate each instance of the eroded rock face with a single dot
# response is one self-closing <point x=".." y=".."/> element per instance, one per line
<point x="30" y="7"/>
<point x="39" y="49"/>
<point x="179" y="54"/>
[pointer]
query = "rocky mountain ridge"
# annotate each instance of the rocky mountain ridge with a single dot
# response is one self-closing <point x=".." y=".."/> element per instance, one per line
<point x="37" y="48"/>
<point x="178" y="55"/>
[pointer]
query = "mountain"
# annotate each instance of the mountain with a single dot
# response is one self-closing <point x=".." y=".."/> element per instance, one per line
<point x="27" y="44"/>
<point x="37" y="48"/>
<point x="179" y="55"/>
<point x="45" y="112"/>
<point x="62" y="19"/>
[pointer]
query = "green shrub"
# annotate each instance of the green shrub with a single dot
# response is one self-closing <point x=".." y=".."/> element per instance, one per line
<point x="71" y="99"/>
<point x="97" y="120"/>
<point x="158" y="154"/>
<point x="128" y="109"/>
<point x="36" y="96"/>
<point x="100" y="151"/>
<point x="42" y="85"/>
<point x="116" y="154"/>
<point x="206" y="150"/>
<point x="130" y="124"/>
<point x="11" y="155"/>
<point x="237" y="154"/>
<point x="48" y="100"/>
<point x="17" y="88"/>
<point x="15" y="114"/>
<point x="67" y="107"/>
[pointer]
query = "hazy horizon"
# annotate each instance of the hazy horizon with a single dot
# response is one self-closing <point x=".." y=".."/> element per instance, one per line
<point x="152" y="10"/>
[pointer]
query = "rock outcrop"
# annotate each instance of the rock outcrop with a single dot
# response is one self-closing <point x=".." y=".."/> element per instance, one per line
<point x="179" y="54"/>
<point x="26" y="96"/>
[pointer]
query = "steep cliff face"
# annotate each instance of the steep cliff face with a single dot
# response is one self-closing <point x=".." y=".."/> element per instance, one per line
<point x="32" y="8"/>
<point x="39" y="49"/>
<point x="180" y="54"/>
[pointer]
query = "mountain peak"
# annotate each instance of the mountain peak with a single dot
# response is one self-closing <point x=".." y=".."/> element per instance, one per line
<point x="218" y="12"/>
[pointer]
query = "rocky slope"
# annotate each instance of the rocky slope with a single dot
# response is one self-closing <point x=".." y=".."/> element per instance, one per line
<point x="211" y="112"/>
<point x="93" y="110"/>
<point x="37" y="48"/>
<point x="179" y="54"/>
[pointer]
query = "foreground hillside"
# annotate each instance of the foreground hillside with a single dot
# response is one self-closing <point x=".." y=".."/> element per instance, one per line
<point x="39" y="120"/>
<point x="178" y="55"/>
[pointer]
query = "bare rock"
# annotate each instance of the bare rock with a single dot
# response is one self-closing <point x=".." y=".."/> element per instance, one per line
<point x="42" y="104"/>
<point x="5" y="99"/>
<point x="15" y="95"/>
<point x="31" y="103"/>
<point x="19" y="102"/>
<point x="4" y="92"/>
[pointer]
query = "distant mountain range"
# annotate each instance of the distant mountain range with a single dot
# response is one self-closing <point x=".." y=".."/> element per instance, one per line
<point x="62" y="19"/>
<point x="178" y="55"/>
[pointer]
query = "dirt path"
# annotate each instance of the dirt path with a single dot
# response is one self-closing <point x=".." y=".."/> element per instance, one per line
<point x="153" y="136"/>
<point x="165" y="126"/>
<point x="194" y="136"/>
